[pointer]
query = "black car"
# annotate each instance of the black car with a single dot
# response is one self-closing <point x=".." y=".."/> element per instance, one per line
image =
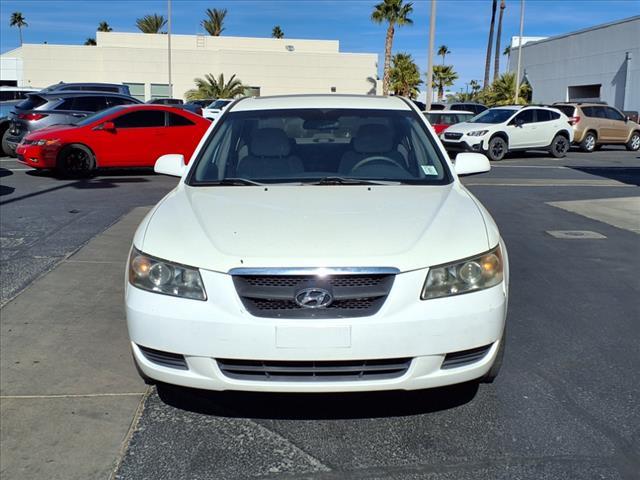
<point x="44" y="109"/>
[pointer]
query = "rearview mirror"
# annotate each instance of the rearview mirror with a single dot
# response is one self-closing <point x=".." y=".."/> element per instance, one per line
<point x="109" y="126"/>
<point x="471" y="163"/>
<point x="172" y="164"/>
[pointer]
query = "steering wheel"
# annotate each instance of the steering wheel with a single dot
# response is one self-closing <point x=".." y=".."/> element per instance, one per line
<point x="375" y="158"/>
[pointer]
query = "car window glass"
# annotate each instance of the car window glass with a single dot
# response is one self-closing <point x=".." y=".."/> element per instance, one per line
<point x="554" y="115"/>
<point x="309" y="144"/>
<point x="613" y="114"/>
<point x="566" y="109"/>
<point x="89" y="104"/>
<point x="176" y="120"/>
<point x="494" y="115"/>
<point x="66" y="104"/>
<point x="140" y="119"/>
<point x="543" y="115"/>
<point x="31" y="102"/>
<point x="600" y="112"/>
<point x="525" y="117"/>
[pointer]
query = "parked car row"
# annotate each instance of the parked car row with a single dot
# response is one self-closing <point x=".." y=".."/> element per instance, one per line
<point x="554" y="128"/>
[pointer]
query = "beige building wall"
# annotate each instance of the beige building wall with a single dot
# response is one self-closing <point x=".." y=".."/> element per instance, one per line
<point x="276" y="66"/>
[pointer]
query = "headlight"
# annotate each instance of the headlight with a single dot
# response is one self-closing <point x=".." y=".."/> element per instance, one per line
<point x="160" y="276"/>
<point x="42" y="142"/>
<point x="477" y="133"/>
<point x="464" y="276"/>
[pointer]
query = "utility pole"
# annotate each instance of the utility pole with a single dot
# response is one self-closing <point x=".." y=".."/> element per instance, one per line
<point x="519" y="50"/>
<point x="432" y="37"/>
<point x="169" y="46"/>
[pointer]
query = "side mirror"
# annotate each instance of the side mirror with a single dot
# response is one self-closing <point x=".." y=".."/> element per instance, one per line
<point x="471" y="163"/>
<point x="172" y="164"/>
<point x="109" y="126"/>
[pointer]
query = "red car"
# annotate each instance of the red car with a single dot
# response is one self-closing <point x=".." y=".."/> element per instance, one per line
<point x="123" y="136"/>
<point x="440" y="120"/>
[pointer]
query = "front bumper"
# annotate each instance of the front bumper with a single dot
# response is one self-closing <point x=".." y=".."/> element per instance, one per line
<point x="463" y="145"/>
<point x="37" y="156"/>
<point x="220" y="328"/>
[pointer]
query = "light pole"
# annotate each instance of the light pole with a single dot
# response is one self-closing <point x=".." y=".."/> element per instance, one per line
<point x="432" y="36"/>
<point x="169" y="46"/>
<point x="519" y="50"/>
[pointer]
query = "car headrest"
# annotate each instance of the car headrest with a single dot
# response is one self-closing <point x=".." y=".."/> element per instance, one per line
<point x="373" y="138"/>
<point x="270" y="142"/>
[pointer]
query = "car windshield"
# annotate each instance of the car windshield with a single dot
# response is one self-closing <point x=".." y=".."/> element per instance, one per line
<point x="96" y="117"/>
<point x="493" y="115"/>
<point x="333" y="146"/>
<point x="218" y="104"/>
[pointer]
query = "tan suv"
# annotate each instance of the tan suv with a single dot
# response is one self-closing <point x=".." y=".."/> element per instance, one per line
<point x="597" y="124"/>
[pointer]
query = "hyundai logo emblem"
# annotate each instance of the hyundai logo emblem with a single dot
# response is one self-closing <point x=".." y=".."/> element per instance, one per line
<point x="313" y="298"/>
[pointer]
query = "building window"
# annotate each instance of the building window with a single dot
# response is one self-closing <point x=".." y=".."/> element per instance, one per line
<point x="588" y="93"/>
<point x="333" y="89"/>
<point x="252" y="92"/>
<point x="160" y="90"/>
<point x="136" y="90"/>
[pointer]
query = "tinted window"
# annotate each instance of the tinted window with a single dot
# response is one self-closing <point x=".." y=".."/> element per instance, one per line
<point x="595" y="112"/>
<point x="219" y="104"/>
<point x="566" y="109"/>
<point x="140" y="119"/>
<point x="89" y="104"/>
<point x="113" y="101"/>
<point x="525" y="117"/>
<point x="463" y="117"/>
<point x="460" y="107"/>
<point x="554" y="115"/>
<point x="176" y="120"/>
<point x="494" y="115"/>
<point x="613" y="114"/>
<point x="543" y="115"/>
<point x="98" y="116"/>
<point x="31" y="102"/>
<point x="437" y="106"/>
<point x="305" y="145"/>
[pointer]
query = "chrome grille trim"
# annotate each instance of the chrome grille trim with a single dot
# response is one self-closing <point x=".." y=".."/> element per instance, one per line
<point x="317" y="271"/>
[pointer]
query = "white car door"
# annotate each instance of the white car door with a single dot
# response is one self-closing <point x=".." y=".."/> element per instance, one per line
<point x="545" y="128"/>
<point x="521" y="130"/>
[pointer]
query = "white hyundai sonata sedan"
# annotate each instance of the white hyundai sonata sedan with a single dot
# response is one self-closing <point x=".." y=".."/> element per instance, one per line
<point x="318" y="243"/>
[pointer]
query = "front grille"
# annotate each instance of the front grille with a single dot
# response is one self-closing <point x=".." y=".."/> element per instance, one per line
<point x="452" y="136"/>
<point x="312" y="371"/>
<point x="165" y="359"/>
<point x="273" y="296"/>
<point x="464" y="357"/>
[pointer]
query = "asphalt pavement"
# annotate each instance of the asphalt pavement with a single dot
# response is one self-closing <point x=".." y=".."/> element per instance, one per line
<point x="564" y="407"/>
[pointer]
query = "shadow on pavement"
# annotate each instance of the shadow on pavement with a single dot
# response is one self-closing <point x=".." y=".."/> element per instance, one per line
<point x="5" y="189"/>
<point x="317" y="406"/>
<point x="628" y="175"/>
<point x="85" y="183"/>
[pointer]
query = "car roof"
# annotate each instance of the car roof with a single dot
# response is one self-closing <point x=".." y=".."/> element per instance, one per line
<point x="78" y="93"/>
<point x="320" y="101"/>
<point x="450" y="111"/>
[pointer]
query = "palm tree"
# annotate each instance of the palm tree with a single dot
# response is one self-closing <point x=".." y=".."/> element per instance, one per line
<point x="151" y="23"/>
<point x="496" y="66"/>
<point x="502" y="91"/>
<point x="277" y="32"/>
<point x="211" y="87"/>
<point x="475" y="86"/>
<point x="90" y="41"/>
<point x="104" y="27"/>
<point x="214" y="25"/>
<point x="17" y="20"/>
<point x="394" y="12"/>
<point x="443" y="76"/>
<point x="405" y="76"/>
<point x="507" y="51"/>
<point x="443" y="51"/>
<point x="487" y="65"/>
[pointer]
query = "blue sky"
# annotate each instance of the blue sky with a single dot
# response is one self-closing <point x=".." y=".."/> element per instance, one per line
<point x="462" y="25"/>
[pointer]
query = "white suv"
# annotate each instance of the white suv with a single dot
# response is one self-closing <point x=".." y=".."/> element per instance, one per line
<point x="215" y="108"/>
<point x="500" y="130"/>
<point x="318" y="243"/>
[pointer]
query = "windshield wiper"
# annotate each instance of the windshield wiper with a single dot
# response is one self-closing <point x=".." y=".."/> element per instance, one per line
<point x="350" y="181"/>
<point x="231" y="182"/>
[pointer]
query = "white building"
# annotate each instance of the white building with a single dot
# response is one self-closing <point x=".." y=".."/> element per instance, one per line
<point x="270" y="66"/>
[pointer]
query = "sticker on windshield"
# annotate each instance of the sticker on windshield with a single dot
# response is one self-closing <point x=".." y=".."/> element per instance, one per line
<point x="429" y="170"/>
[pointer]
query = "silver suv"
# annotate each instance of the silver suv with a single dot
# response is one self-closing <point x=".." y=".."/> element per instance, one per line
<point x="40" y="110"/>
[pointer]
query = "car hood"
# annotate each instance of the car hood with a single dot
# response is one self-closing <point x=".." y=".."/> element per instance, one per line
<point x="51" y="130"/>
<point x="465" y="127"/>
<point x="406" y="227"/>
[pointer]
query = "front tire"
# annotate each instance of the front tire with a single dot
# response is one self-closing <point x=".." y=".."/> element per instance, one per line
<point x="497" y="149"/>
<point x="559" y="146"/>
<point x="588" y="143"/>
<point x="5" y="145"/>
<point x="76" y="161"/>
<point x="634" y="142"/>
